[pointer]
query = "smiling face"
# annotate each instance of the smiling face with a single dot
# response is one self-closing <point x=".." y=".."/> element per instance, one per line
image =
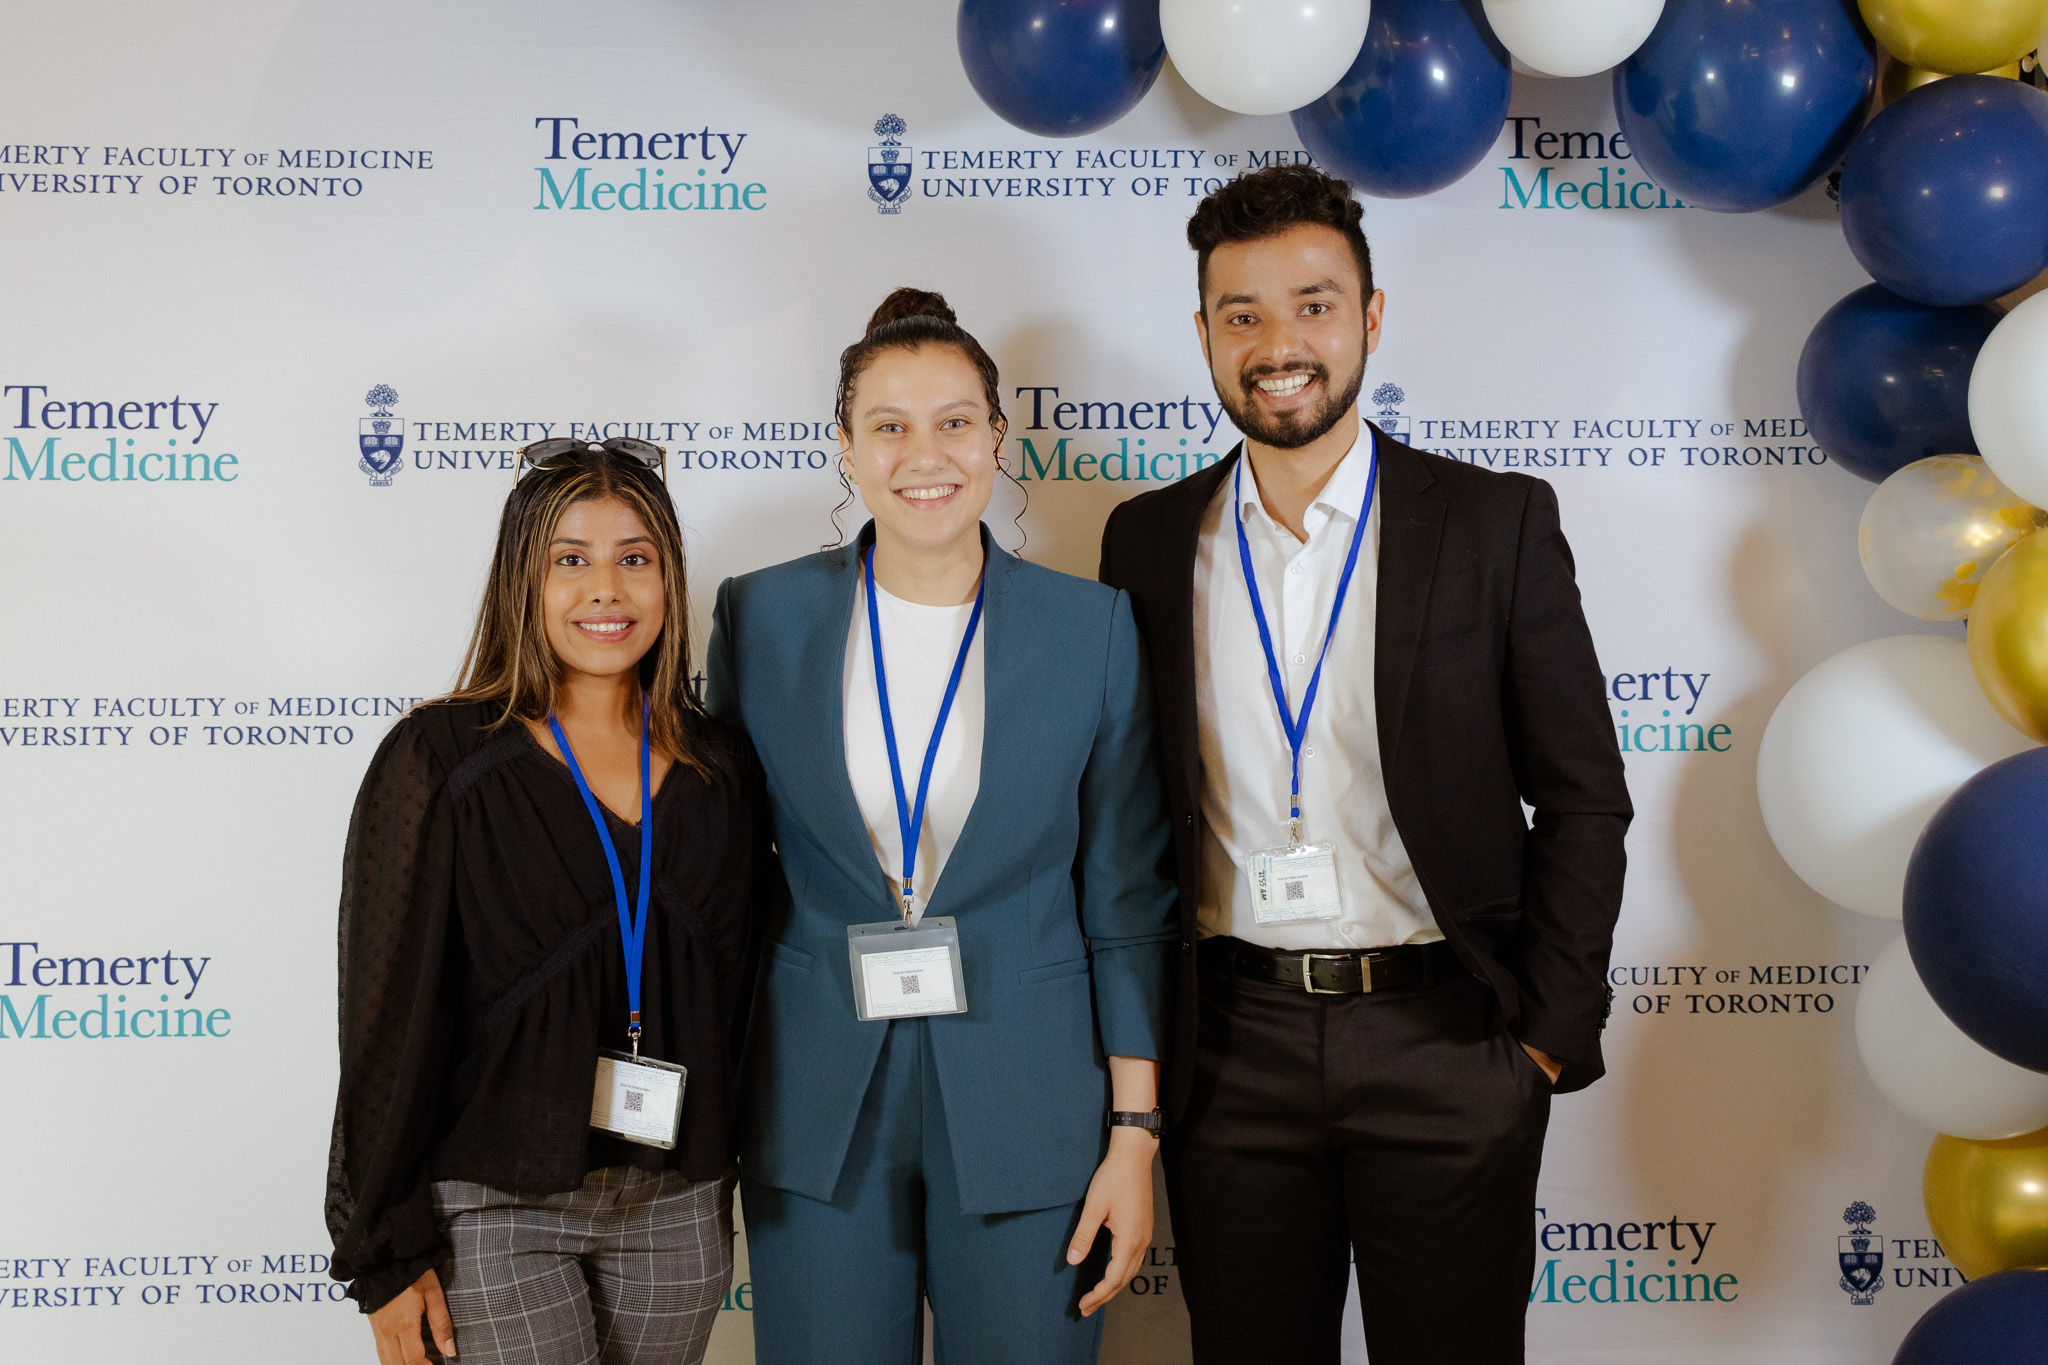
<point x="921" y="447"/>
<point x="1286" y="333"/>
<point x="602" y="601"/>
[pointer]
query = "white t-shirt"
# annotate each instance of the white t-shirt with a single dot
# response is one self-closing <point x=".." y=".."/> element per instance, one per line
<point x="919" y="646"/>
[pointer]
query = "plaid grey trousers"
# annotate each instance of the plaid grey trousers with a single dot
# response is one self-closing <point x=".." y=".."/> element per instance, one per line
<point x="629" y="1270"/>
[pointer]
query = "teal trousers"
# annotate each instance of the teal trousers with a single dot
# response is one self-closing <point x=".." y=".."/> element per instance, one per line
<point x="838" y="1283"/>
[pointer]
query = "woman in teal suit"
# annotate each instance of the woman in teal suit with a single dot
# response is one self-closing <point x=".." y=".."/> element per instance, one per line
<point x="952" y="1083"/>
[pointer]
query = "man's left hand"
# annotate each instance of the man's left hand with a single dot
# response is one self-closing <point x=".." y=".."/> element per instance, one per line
<point x="1551" y="1066"/>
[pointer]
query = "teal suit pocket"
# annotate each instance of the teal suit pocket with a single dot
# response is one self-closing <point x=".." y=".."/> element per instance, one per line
<point x="790" y="957"/>
<point x="1072" y="967"/>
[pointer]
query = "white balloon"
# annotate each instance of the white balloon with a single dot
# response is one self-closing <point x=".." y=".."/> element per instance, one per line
<point x="1861" y="751"/>
<point x="1572" y="37"/>
<point x="1930" y="1069"/>
<point x="1263" y="56"/>
<point x="2009" y="400"/>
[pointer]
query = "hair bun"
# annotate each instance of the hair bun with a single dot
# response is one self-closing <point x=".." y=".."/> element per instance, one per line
<point x="912" y="303"/>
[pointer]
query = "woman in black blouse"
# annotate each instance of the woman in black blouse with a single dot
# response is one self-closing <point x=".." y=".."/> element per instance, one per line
<point x="491" y="880"/>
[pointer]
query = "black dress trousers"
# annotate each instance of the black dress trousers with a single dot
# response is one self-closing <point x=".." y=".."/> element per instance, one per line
<point x="1402" y="1129"/>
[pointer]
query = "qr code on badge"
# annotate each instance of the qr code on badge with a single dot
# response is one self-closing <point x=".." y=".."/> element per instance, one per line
<point x="636" y="1101"/>
<point x="1296" y="890"/>
<point x="910" y="984"/>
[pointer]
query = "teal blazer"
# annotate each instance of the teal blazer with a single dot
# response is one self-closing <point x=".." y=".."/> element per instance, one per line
<point x="1061" y="882"/>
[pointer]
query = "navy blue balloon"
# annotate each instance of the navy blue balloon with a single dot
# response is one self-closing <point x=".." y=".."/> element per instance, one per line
<point x="1884" y="381"/>
<point x="1945" y="194"/>
<point x="1061" y="68"/>
<point x="2001" y="1319"/>
<point x="1977" y="908"/>
<point x="1421" y="105"/>
<point x="1736" y="105"/>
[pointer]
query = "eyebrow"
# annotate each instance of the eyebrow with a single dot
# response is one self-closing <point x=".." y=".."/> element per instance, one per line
<point x="881" y="409"/>
<point x="1324" y="286"/>
<point x="584" y="544"/>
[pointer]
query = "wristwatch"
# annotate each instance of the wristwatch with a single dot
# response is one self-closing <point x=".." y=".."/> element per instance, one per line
<point x="1152" y="1121"/>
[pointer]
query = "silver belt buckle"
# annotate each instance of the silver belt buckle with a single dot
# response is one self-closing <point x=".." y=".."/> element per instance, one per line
<point x="1308" y="976"/>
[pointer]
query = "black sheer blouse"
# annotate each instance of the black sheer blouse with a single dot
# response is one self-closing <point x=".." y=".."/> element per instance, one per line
<point x="481" y="971"/>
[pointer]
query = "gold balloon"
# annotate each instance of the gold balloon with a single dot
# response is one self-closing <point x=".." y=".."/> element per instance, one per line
<point x="2009" y="636"/>
<point x="1957" y="36"/>
<point x="1900" y="79"/>
<point x="1987" y="1202"/>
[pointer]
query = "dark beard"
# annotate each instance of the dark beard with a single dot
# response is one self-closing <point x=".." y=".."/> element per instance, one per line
<point x="1293" y="432"/>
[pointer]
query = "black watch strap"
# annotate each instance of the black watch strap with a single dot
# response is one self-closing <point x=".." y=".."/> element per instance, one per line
<point x="1152" y="1121"/>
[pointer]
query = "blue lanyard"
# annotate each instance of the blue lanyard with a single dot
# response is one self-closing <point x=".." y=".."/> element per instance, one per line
<point x="1297" y="729"/>
<point x="632" y="923"/>
<point x="908" y="819"/>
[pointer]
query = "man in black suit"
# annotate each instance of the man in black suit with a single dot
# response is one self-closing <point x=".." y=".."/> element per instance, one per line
<point x="1369" y="659"/>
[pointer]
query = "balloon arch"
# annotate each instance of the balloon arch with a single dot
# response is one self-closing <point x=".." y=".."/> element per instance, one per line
<point x="1929" y="121"/>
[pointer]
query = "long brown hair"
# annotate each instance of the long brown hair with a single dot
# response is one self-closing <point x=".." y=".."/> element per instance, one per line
<point x="509" y="660"/>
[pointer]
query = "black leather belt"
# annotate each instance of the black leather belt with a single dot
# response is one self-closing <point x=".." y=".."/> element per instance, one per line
<point x="1354" y="972"/>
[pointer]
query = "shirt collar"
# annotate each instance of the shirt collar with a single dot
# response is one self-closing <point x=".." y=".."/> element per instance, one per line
<point x="1342" y="493"/>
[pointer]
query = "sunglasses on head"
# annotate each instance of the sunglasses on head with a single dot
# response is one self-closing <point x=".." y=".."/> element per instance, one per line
<point x="561" y="450"/>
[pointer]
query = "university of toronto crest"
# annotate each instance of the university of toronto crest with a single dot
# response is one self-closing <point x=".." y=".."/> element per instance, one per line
<point x="380" y="441"/>
<point x="889" y="166"/>
<point x="1860" y="1254"/>
<point x="1388" y="398"/>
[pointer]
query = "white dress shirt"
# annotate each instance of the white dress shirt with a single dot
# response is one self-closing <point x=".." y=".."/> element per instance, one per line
<point x="919" y="645"/>
<point x="1245" y="756"/>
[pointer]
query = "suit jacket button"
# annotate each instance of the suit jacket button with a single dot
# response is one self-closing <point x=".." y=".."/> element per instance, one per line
<point x="1187" y="945"/>
<point x="1191" y="820"/>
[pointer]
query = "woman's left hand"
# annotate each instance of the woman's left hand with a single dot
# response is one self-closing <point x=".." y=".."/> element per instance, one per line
<point x="1119" y="1198"/>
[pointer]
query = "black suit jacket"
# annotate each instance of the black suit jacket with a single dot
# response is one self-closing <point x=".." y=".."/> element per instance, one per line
<point x="1489" y="695"/>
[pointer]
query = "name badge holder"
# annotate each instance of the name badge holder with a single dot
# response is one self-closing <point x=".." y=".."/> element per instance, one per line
<point x="636" y="1098"/>
<point x="1296" y="882"/>
<point x="902" y="970"/>
<point x="909" y="967"/>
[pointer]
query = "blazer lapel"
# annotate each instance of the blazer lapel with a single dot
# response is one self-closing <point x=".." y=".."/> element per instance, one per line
<point x="841" y="827"/>
<point x="1007" y="678"/>
<point x="1411" y="526"/>
<point x="1173" y="634"/>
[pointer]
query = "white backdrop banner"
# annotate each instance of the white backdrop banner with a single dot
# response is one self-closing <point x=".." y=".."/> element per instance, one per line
<point x="285" y="286"/>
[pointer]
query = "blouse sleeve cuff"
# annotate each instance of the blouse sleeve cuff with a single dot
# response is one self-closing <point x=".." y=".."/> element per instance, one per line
<point x="412" y="1241"/>
<point x="379" y="1285"/>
